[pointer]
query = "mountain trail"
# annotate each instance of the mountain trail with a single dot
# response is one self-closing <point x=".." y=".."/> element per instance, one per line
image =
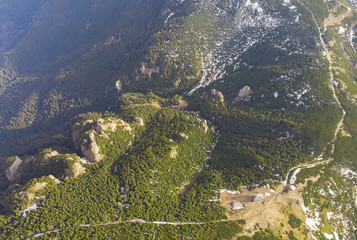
<point x="332" y="77"/>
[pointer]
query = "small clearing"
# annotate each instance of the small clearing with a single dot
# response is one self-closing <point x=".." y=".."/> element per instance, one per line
<point x="270" y="212"/>
<point x="335" y="20"/>
<point x="266" y="213"/>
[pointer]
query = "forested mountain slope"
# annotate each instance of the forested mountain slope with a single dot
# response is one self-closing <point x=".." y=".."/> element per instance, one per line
<point x="131" y="119"/>
<point x="65" y="60"/>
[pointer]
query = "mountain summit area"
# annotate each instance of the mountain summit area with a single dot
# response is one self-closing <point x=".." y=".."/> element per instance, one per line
<point x="178" y="119"/>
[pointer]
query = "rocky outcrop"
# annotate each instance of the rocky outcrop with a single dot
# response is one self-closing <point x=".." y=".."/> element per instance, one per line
<point x="84" y="135"/>
<point x="45" y="163"/>
<point x="244" y="94"/>
<point x="218" y="93"/>
<point x="57" y="181"/>
<point x="118" y="85"/>
<point x="90" y="149"/>
<point x="110" y="125"/>
<point x="76" y="170"/>
<point x="77" y="131"/>
<point x="145" y="71"/>
<point x="12" y="173"/>
<point x="173" y="152"/>
<point x="184" y="135"/>
<point x="139" y="121"/>
<point x="51" y="154"/>
<point x="101" y="126"/>
<point x="203" y="124"/>
<point x="148" y="71"/>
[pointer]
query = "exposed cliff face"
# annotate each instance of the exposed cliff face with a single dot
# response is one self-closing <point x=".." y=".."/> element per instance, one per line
<point x="77" y="131"/>
<point x="90" y="149"/>
<point x="12" y="173"/>
<point x="85" y="140"/>
<point x="76" y="170"/>
<point x="46" y="163"/>
<point x="87" y="145"/>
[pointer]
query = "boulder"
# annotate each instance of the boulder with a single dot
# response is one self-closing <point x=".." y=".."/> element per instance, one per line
<point x="184" y="135"/>
<point x="244" y="94"/>
<point x="218" y="93"/>
<point x="173" y="152"/>
<point x="139" y="120"/>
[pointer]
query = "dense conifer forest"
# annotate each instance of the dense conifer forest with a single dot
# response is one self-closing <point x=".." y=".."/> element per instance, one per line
<point x="147" y="119"/>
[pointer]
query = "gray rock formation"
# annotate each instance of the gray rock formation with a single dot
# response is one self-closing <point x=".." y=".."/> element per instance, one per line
<point x="184" y="135"/>
<point x="55" y="179"/>
<point x="244" y="94"/>
<point x="118" y="85"/>
<point x="139" y="120"/>
<point x="92" y="151"/>
<point x="148" y="71"/>
<point x="218" y="93"/>
<point x="76" y="170"/>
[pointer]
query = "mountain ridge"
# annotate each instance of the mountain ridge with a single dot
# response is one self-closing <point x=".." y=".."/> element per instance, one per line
<point x="166" y="129"/>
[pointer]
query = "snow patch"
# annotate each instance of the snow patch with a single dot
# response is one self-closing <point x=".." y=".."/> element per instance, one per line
<point x="168" y="17"/>
<point x="27" y="210"/>
<point x="255" y="6"/>
<point x="229" y="191"/>
<point x="336" y="235"/>
<point x="328" y="236"/>
<point x="329" y="215"/>
<point x="341" y="30"/>
<point x="294" y="176"/>
<point x="312" y="218"/>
